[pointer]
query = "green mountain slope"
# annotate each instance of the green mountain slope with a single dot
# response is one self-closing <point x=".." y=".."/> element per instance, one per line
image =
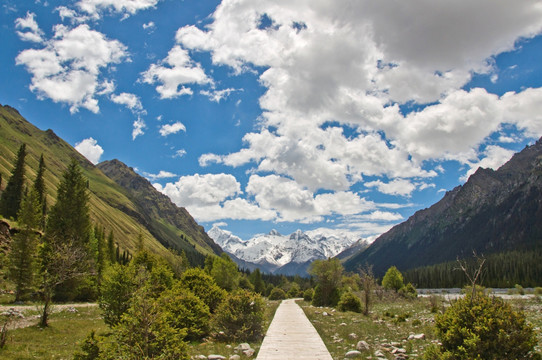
<point x="493" y="212"/>
<point x="112" y="206"/>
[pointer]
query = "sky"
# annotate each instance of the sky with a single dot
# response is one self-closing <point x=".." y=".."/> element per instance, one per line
<point x="255" y="115"/>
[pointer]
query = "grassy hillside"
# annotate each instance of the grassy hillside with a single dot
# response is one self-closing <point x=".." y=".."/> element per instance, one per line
<point x="110" y="206"/>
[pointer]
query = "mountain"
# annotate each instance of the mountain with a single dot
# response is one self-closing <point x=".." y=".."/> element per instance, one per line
<point x="493" y="212"/>
<point x="126" y="203"/>
<point x="283" y="254"/>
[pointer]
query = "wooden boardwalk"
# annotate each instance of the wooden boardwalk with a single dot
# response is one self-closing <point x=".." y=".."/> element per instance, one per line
<point x="292" y="336"/>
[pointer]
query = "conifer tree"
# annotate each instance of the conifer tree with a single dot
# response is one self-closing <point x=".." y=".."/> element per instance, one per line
<point x="10" y="201"/>
<point x="69" y="218"/>
<point x="39" y="187"/>
<point x="111" y="247"/>
<point x="22" y="258"/>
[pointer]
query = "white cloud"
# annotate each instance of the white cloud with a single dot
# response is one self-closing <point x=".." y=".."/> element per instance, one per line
<point x="68" y="69"/>
<point x="149" y="26"/>
<point x="138" y="127"/>
<point x="401" y="187"/>
<point x="127" y="7"/>
<point x="174" y="128"/>
<point x="131" y="101"/>
<point x="353" y="64"/>
<point x="90" y="149"/>
<point x="179" y="153"/>
<point x="33" y="33"/>
<point x="176" y="70"/>
<point x="217" y="95"/>
<point x="161" y="175"/>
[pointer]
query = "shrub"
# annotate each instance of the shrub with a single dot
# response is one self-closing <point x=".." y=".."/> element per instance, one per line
<point x="294" y="291"/>
<point x="240" y="316"/>
<point x="318" y="298"/>
<point x="307" y="295"/>
<point x="349" y="302"/>
<point x="393" y="279"/>
<point x="538" y="290"/>
<point x="90" y="349"/>
<point x="181" y="309"/>
<point x="483" y="328"/>
<point x="408" y="291"/>
<point x="116" y="291"/>
<point x="277" y="294"/>
<point x="203" y="286"/>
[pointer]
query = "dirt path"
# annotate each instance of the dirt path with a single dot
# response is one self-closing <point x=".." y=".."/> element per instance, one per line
<point x="31" y="313"/>
<point x="292" y="336"/>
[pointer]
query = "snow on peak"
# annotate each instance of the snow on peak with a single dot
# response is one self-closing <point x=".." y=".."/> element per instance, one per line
<point x="279" y="250"/>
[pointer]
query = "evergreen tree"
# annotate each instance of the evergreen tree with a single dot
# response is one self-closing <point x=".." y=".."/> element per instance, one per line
<point x="111" y="247"/>
<point x="69" y="218"/>
<point x="10" y="201"/>
<point x="328" y="274"/>
<point x="257" y="281"/>
<point x="39" y="187"/>
<point x="22" y="264"/>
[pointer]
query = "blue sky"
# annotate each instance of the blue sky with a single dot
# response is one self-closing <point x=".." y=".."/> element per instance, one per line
<point x="306" y="114"/>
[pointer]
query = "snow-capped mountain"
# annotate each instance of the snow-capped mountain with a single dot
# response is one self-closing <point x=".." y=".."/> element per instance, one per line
<point x="286" y="254"/>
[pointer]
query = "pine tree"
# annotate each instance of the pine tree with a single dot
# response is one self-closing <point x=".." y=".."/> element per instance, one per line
<point x="39" y="187"/>
<point x="10" y="201"/>
<point x="22" y="258"/>
<point x="69" y="218"/>
<point x="111" y="247"/>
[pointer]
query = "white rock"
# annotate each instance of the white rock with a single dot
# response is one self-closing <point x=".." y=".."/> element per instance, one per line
<point x="352" y="354"/>
<point x="216" y="357"/>
<point x="416" y="337"/>
<point x="235" y="357"/>
<point x="353" y="336"/>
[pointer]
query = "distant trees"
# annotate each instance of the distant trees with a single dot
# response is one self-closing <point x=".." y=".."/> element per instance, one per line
<point x="10" y="201"/>
<point x="39" y="187"/>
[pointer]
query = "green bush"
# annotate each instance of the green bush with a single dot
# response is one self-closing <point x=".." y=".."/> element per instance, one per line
<point x="116" y="292"/>
<point x="483" y="328"/>
<point x="319" y="299"/>
<point x="240" y="316"/>
<point x="538" y="291"/>
<point x="181" y="309"/>
<point x="307" y="295"/>
<point x="349" y="302"/>
<point x="408" y="291"/>
<point x="204" y="287"/>
<point x="277" y="294"/>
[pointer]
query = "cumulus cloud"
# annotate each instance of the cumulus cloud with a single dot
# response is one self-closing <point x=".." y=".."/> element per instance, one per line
<point x="31" y="31"/>
<point x="138" y="128"/>
<point x="161" y="175"/>
<point x="217" y="95"/>
<point x="353" y="65"/>
<point x="95" y="8"/>
<point x="90" y="149"/>
<point x="175" y="73"/>
<point x="174" y="128"/>
<point x="131" y="101"/>
<point x="69" y="68"/>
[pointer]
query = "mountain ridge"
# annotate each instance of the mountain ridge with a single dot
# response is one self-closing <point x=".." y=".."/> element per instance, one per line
<point x="494" y="211"/>
<point x="282" y="254"/>
<point x="111" y="205"/>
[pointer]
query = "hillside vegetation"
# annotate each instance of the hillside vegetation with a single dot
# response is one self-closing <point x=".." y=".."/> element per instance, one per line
<point x="126" y="212"/>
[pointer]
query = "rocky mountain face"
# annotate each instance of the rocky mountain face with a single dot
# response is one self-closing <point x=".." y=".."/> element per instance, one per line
<point x="171" y="224"/>
<point x="124" y="203"/>
<point x="494" y="211"/>
<point x="283" y="254"/>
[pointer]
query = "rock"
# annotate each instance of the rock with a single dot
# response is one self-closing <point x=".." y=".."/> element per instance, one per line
<point x="243" y="347"/>
<point x="216" y="357"/>
<point x="342" y="324"/>
<point x="235" y="357"/>
<point x="352" y="354"/>
<point x="249" y="352"/>
<point x="416" y="337"/>
<point x="200" y="357"/>
<point x="325" y="314"/>
<point x="353" y="336"/>
<point x="379" y="353"/>
<point x="362" y="346"/>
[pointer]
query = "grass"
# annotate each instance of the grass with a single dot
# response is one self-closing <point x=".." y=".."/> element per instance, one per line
<point x="68" y="330"/>
<point x="390" y="323"/>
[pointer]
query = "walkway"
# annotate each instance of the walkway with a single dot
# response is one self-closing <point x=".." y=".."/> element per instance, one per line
<point x="292" y="336"/>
